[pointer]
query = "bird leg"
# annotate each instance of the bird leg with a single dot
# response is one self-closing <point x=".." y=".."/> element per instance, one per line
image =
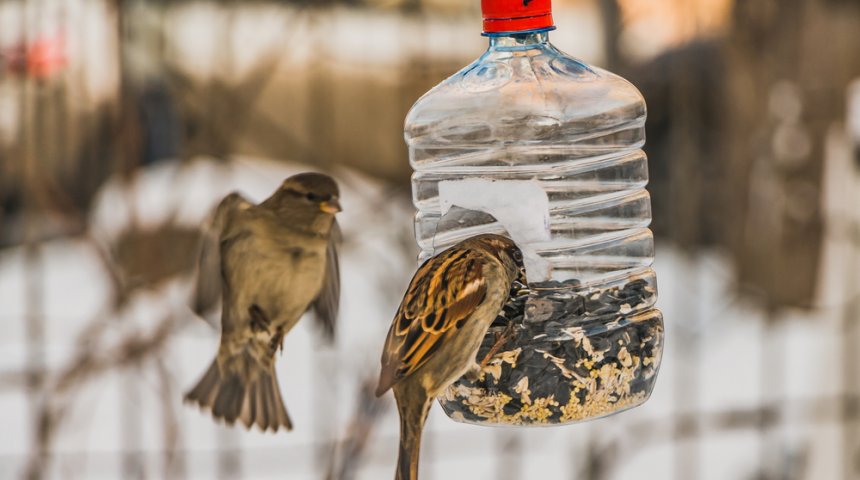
<point x="277" y="341"/>
<point x="259" y="320"/>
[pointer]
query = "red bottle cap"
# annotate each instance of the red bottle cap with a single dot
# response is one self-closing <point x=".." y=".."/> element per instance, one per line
<point x="503" y="16"/>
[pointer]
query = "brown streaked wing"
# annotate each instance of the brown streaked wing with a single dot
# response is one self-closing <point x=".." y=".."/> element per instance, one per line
<point x="442" y="295"/>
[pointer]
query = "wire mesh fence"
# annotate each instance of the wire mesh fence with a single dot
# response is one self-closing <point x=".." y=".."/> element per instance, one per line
<point x="99" y="345"/>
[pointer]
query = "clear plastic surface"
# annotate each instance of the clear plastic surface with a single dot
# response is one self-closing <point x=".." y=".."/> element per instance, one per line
<point x="584" y="334"/>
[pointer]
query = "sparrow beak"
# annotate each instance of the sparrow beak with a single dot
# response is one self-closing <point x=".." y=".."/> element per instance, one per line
<point x="330" y="206"/>
<point x="521" y="276"/>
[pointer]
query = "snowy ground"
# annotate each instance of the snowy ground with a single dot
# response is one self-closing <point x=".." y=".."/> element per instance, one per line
<point x="712" y="362"/>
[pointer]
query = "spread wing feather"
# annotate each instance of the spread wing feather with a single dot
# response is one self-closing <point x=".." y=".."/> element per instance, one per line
<point x="441" y="297"/>
<point x="327" y="303"/>
<point x="207" y="291"/>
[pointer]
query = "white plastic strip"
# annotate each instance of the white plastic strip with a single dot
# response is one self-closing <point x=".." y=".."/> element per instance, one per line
<point x="521" y="206"/>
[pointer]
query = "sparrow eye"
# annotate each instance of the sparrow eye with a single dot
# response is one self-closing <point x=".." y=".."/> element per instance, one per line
<point x="518" y="255"/>
<point x="312" y="196"/>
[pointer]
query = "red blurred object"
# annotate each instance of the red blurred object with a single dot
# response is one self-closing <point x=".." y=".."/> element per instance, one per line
<point x="42" y="58"/>
<point x="509" y="16"/>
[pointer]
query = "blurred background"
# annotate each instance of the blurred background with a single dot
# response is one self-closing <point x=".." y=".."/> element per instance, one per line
<point x="122" y="123"/>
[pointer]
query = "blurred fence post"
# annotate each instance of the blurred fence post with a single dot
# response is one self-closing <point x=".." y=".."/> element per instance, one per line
<point x="773" y="398"/>
<point x="687" y="381"/>
<point x="33" y="318"/>
<point x="320" y="114"/>
<point x="851" y="362"/>
<point x="509" y="446"/>
<point x="320" y="117"/>
<point x="851" y="309"/>
<point x="610" y="13"/>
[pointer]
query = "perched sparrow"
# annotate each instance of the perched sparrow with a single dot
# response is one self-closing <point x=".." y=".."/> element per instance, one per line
<point x="270" y="262"/>
<point x="433" y="340"/>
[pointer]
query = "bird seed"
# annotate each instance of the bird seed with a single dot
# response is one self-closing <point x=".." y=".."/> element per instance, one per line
<point x="560" y="354"/>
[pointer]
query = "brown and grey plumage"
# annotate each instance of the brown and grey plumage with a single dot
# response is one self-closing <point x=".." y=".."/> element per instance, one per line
<point x="270" y="263"/>
<point x="446" y="311"/>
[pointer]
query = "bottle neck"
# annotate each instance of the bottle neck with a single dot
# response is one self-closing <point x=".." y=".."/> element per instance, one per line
<point x="519" y="40"/>
<point x="504" y="17"/>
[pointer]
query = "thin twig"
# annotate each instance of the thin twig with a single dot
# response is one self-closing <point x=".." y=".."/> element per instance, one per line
<point x="90" y="363"/>
<point x="349" y="454"/>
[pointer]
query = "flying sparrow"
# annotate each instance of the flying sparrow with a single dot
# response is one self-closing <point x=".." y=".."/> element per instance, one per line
<point x="434" y="338"/>
<point x="270" y="263"/>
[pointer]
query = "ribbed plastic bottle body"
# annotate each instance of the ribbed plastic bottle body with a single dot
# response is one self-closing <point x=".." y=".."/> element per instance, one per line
<point x="525" y="111"/>
<point x="583" y="339"/>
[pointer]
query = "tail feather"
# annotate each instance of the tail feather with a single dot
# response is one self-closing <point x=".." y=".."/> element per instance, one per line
<point x="228" y="403"/>
<point x="249" y="411"/>
<point x="207" y="388"/>
<point x="231" y="397"/>
<point x="262" y="415"/>
<point x="413" y="408"/>
<point x="277" y="404"/>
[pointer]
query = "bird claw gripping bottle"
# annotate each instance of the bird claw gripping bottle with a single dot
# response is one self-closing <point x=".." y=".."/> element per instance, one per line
<point x="532" y="143"/>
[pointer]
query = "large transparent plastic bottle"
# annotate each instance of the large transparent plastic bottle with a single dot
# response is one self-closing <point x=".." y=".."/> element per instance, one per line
<point x="582" y="339"/>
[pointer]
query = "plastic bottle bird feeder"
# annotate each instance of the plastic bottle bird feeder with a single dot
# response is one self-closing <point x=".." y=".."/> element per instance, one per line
<point x="529" y="142"/>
